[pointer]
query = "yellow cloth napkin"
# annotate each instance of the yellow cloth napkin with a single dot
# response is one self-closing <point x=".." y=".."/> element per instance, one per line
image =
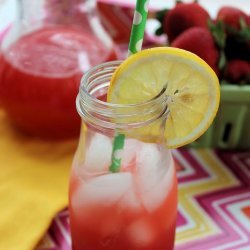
<point x="33" y="185"/>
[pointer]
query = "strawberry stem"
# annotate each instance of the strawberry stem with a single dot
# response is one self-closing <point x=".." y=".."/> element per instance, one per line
<point x="178" y="2"/>
<point x="160" y="15"/>
<point x="218" y="32"/>
<point x="222" y="60"/>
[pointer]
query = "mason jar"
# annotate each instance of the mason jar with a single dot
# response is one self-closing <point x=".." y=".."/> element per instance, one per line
<point x="123" y="187"/>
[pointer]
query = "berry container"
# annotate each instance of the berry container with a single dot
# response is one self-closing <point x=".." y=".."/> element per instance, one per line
<point x="231" y="127"/>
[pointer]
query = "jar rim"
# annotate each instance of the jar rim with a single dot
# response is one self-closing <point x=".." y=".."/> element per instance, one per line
<point x="114" y="115"/>
<point x="116" y="63"/>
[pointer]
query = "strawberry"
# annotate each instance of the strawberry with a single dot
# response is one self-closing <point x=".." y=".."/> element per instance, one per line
<point x="199" y="41"/>
<point x="182" y="17"/>
<point x="231" y="17"/>
<point x="237" y="71"/>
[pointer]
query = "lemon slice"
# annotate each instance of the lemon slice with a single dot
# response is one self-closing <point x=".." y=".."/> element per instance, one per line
<point x="192" y="87"/>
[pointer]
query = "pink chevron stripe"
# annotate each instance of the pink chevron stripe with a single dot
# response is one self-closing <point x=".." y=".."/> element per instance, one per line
<point x="181" y="220"/>
<point x="245" y="158"/>
<point x="237" y="232"/>
<point x="234" y="200"/>
<point x="242" y="162"/>
<point x="238" y="163"/>
<point x="60" y="231"/>
<point x="228" y="234"/>
<point x="240" y="232"/>
<point x="187" y="158"/>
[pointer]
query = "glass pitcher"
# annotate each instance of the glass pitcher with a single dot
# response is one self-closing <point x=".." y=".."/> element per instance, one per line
<point x="135" y="207"/>
<point x="42" y="59"/>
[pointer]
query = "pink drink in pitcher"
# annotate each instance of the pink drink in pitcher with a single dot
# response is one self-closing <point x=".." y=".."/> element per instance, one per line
<point x="40" y="75"/>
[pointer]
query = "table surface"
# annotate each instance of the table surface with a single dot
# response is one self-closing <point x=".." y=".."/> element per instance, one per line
<point x="214" y="203"/>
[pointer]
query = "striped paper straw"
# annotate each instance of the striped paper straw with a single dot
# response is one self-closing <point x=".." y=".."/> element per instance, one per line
<point x="135" y="45"/>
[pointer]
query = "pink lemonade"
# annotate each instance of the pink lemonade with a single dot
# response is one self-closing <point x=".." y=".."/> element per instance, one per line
<point x="134" y="209"/>
<point x="40" y="75"/>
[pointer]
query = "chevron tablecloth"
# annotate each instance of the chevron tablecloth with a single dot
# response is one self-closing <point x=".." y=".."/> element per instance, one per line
<point x="214" y="203"/>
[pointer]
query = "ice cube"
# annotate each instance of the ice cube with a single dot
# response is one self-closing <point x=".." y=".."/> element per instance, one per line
<point x="105" y="190"/>
<point x="155" y="175"/>
<point x="153" y="198"/>
<point x="129" y="152"/>
<point x="141" y="233"/>
<point x="98" y="154"/>
<point x="131" y="201"/>
<point x="149" y="162"/>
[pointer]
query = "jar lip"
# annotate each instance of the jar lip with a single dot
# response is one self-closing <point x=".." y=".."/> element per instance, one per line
<point x="114" y="64"/>
<point x="111" y="115"/>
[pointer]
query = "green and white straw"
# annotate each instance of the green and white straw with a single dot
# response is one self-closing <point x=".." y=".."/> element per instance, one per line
<point x="135" y="45"/>
<point x="138" y="27"/>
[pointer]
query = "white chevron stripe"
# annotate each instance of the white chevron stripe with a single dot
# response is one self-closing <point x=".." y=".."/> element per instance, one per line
<point x="188" y="170"/>
<point x="243" y="237"/>
<point x="203" y="164"/>
<point x="242" y="166"/>
<point x="190" y="223"/>
<point x="218" y="161"/>
<point x="243" y="248"/>
<point x="64" y="232"/>
<point x="64" y="213"/>
<point x="236" y="211"/>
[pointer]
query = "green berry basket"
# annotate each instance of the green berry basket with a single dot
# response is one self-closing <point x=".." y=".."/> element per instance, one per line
<point x="231" y="127"/>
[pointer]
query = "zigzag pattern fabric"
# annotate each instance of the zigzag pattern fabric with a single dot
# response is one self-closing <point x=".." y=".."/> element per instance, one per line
<point x="214" y="203"/>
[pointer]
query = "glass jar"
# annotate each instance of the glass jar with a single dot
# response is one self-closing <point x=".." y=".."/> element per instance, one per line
<point x="42" y="59"/>
<point x="135" y="207"/>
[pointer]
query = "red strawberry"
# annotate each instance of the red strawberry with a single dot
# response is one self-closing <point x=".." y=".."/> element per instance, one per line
<point x="237" y="71"/>
<point x="199" y="41"/>
<point x="231" y="17"/>
<point x="182" y="17"/>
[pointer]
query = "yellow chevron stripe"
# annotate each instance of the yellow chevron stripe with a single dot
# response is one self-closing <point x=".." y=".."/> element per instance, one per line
<point x="221" y="178"/>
